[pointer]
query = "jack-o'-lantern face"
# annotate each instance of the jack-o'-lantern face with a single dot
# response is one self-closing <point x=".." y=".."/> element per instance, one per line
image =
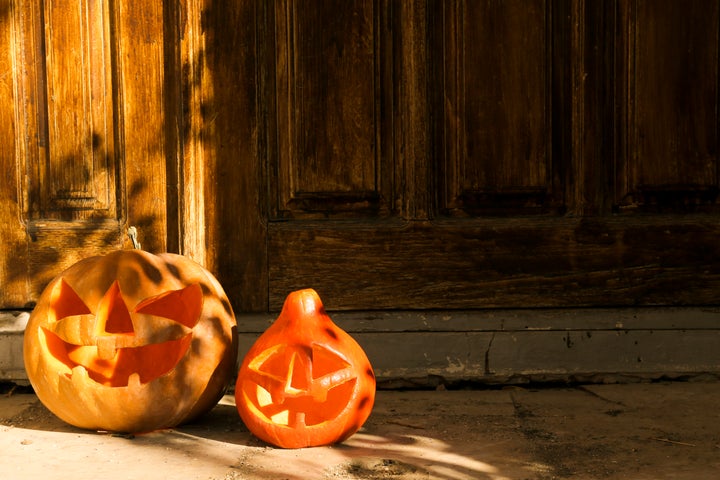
<point x="131" y="342"/>
<point x="110" y="351"/>
<point x="305" y="382"/>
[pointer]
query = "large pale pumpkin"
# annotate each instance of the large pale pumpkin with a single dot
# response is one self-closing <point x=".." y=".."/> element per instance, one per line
<point x="305" y="382"/>
<point x="131" y="342"/>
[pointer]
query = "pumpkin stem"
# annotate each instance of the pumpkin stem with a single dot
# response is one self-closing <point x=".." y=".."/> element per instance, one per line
<point x="132" y="233"/>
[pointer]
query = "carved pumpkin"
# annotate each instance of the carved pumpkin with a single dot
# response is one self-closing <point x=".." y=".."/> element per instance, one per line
<point x="305" y="382"/>
<point x="131" y="342"/>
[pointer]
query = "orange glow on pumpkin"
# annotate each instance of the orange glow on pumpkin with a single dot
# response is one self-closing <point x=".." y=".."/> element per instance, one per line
<point x="131" y="342"/>
<point x="305" y="382"/>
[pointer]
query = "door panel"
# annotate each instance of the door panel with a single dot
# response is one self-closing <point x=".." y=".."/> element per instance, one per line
<point x="670" y="55"/>
<point x="487" y="84"/>
<point x="76" y="138"/>
<point x="514" y="263"/>
<point x="14" y="255"/>
<point x="526" y="154"/>
<point x="329" y="110"/>
<point x="87" y="149"/>
<point x="495" y="79"/>
<point x="68" y="113"/>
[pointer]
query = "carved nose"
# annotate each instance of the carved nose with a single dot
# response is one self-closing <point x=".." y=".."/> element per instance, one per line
<point x="113" y="314"/>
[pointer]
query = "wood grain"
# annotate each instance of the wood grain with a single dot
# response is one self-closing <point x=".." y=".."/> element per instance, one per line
<point x="505" y="263"/>
<point x="670" y="159"/>
<point x="234" y="136"/>
<point x="329" y="123"/>
<point x="90" y="142"/>
<point x="407" y="155"/>
<point x="13" y="241"/>
<point x="496" y="75"/>
<point x="78" y="178"/>
<point x="146" y="149"/>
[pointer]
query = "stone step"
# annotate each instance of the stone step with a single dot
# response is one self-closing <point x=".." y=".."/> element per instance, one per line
<point x="428" y="349"/>
<point x="12" y="328"/>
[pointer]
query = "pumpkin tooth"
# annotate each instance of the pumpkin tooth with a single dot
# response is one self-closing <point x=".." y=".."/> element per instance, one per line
<point x="134" y="381"/>
<point x="79" y="376"/>
<point x="106" y="348"/>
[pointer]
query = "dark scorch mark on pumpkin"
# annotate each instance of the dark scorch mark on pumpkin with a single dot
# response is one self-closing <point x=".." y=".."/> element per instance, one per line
<point x="332" y="333"/>
<point x="151" y="272"/>
<point x="132" y="282"/>
<point x="369" y="372"/>
<point x="364" y="401"/>
<point x="173" y="269"/>
<point x="226" y="305"/>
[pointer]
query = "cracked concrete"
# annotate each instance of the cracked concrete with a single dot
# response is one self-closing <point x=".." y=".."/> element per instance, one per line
<point x="641" y="431"/>
<point x="487" y="355"/>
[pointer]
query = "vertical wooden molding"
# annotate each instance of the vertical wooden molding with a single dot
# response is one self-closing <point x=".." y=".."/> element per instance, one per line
<point x="31" y="133"/>
<point x="413" y="114"/>
<point x="450" y="75"/>
<point x="224" y="158"/>
<point x="285" y="72"/>
<point x="624" y="26"/>
<point x="195" y="87"/>
<point x="592" y="105"/>
<point x="174" y="123"/>
<point x="576" y="199"/>
<point x="142" y="80"/>
<point x="14" y="252"/>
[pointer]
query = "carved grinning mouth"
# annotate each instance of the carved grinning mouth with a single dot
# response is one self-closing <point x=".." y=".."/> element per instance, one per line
<point x="113" y="369"/>
<point x="109" y="352"/>
<point x="299" y="386"/>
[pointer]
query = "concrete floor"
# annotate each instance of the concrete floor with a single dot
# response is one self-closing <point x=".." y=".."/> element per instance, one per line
<point x="623" y="431"/>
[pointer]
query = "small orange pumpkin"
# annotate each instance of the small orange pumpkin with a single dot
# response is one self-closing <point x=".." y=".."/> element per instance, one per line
<point x="131" y="342"/>
<point x="305" y="382"/>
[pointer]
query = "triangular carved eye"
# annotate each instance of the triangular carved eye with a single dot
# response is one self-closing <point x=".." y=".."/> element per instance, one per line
<point x="64" y="302"/>
<point x="183" y="306"/>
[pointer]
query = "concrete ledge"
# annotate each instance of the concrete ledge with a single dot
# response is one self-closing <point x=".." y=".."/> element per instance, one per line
<point x="420" y="349"/>
<point x="12" y="328"/>
<point x="519" y="346"/>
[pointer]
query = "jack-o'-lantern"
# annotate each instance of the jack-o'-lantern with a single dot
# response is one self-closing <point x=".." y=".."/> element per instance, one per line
<point x="131" y="342"/>
<point x="305" y="382"/>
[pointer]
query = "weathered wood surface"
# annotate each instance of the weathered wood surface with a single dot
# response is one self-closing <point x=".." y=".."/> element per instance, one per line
<point x="89" y="139"/>
<point x="233" y="120"/>
<point x="509" y="263"/>
<point x="414" y="155"/>
<point x="498" y="192"/>
<point x="13" y="242"/>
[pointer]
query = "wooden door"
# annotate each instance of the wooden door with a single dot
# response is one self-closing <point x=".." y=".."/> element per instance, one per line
<point x="414" y="167"/>
<point x="445" y="155"/>
<point x="459" y="155"/>
<point x="88" y="137"/>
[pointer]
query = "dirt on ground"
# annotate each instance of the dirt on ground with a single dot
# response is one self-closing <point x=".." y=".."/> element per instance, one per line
<point x="637" y="431"/>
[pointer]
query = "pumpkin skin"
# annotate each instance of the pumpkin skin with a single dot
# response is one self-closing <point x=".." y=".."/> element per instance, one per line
<point x="305" y="382"/>
<point x="131" y="342"/>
